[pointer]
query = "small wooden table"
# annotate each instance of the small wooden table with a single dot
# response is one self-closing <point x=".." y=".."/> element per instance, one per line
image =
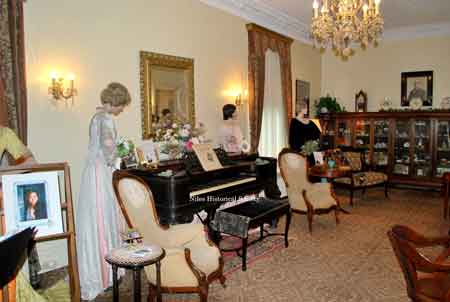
<point x="328" y="174"/>
<point x="124" y="257"/>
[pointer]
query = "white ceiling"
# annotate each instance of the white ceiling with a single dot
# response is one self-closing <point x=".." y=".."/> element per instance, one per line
<point x="403" y="18"/>
<point x="397" y="13"/>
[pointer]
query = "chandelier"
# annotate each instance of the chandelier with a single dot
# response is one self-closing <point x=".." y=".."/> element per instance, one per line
<point x="341" y="23"/>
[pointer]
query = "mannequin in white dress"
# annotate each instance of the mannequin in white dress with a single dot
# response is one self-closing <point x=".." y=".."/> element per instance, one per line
<point x="98" y="219"/>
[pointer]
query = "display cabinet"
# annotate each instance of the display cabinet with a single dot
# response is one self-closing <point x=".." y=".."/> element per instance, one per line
<point x="381" y="142"/>
<point x="413" y="147"/>
<point x="402" y="147"/>
<point x="442" y="147"/>
<point x="362" y="137"/>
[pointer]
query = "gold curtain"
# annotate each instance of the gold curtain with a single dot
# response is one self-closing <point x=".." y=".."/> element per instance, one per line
<point x="13" y="93"/>
<point x="260" y="40"/>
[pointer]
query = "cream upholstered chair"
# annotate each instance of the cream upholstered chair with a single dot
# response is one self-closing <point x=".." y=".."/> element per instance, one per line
<point x="305" y="197"/>
<point x="191" y="261"/>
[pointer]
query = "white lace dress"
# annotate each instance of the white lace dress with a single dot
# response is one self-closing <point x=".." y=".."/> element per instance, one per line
<point x="98" y="220"/>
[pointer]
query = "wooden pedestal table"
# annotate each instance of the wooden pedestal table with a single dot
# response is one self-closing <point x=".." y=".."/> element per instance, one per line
<point x="136" y="257"/>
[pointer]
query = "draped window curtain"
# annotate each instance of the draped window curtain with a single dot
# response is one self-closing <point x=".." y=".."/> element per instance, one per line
<point x="259" y="41"/>
<point x="273" y="136"/>
<point x="13" y="95"/>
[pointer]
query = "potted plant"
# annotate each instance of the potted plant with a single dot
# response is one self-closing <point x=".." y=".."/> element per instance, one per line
<point x="327" y="105"/>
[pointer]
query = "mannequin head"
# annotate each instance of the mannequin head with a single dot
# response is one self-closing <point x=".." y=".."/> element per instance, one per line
<point x="229" y="112"/>
<point x="301" y="108"/>
<point x="115" y="97"/>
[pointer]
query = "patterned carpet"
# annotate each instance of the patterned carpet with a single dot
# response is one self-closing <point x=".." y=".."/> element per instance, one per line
<point x="351" y="262"/>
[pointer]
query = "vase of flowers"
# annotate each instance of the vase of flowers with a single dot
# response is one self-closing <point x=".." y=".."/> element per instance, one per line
<point x="125" y="151"/>
<point x="308" y="149"/>
<point x="177" y="136"/>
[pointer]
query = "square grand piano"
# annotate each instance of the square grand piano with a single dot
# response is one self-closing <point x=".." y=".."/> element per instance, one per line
<point x="190" y="189"/>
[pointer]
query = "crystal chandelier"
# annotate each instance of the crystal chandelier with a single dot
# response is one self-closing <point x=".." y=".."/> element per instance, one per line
<point x="341" y="23"/>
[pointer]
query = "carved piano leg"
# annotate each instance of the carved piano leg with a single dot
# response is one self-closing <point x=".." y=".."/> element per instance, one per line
<point x="214" y="235"/>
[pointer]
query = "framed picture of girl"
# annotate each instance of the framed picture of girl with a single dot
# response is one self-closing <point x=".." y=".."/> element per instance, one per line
<point x="33" y="200"/>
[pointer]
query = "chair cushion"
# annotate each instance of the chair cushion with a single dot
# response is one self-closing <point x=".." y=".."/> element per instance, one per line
<point x="320" y="196"/>
<point x="175" y="272"/>
<point x="364" y="179"/>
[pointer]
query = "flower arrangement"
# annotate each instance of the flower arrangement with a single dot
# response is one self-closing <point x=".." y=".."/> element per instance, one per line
<point x="310" y="146"/>
<point x="124" y="147"/>
<point x="178" y="135"/>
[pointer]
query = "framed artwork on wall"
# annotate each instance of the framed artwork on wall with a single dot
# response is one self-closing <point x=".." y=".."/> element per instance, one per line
<point x="417" y="87"/>
<point x="302" y="93"/>
<point x="361" y="101"/>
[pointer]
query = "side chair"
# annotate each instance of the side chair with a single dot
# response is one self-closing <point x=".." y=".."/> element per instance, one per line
<point x="361" y="177"/>
<point x="191" y="263"/>
<point x="305" y="197"/>
<point x="426" y="280"/>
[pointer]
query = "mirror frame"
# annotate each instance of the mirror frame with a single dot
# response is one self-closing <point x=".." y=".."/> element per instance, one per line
<point x="149" y="59"/>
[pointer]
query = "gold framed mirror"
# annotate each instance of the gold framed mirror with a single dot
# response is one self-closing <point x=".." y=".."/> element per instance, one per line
<point x="167" y="86"/>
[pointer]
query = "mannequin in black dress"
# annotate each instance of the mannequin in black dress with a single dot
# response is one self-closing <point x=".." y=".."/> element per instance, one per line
<point x="302" y="129"/>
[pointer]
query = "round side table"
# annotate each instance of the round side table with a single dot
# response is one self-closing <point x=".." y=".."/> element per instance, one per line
<point x="125" y="257"/>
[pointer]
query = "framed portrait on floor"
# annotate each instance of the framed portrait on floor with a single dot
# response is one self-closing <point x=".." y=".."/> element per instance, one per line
<point x="33" y="200"/>
<point x="417" y="88"/>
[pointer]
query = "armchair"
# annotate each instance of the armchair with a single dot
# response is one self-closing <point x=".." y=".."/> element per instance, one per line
<point x="426" y="280"/>
<point x="305" y="197"/>
<point x="361" y="176"/>
<point x="191" y="263"/>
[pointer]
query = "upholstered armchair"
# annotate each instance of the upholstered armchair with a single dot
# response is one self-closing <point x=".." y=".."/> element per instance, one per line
<point x="191" y="263"/>
<point x="361" y="177"/>
<point x="305" y="197"/>
<point x="426" y="280"/>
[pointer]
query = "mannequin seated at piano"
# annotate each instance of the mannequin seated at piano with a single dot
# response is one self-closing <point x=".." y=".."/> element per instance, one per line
<point x="230" y="134"/>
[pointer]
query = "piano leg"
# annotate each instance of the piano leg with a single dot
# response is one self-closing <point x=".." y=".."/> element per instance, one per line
<point x="214" y="235"/>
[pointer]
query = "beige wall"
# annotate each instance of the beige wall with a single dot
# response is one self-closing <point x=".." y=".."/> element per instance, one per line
<point x="377" y="71"/>
<point x="99" y="41"/>
<point x="307" y="66"/>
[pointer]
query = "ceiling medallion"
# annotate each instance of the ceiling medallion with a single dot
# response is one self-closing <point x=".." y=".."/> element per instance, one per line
<point x="338" y="24"/>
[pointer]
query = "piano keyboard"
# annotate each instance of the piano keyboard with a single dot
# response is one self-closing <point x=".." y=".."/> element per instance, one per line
<point x="221" y="186"/>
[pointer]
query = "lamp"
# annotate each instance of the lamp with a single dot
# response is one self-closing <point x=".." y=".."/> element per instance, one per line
<point x="238" y="100"/>
<point x="57" y="89"/>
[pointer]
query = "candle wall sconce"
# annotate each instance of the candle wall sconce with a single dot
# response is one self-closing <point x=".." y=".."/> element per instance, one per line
<point x="58" y="90"/>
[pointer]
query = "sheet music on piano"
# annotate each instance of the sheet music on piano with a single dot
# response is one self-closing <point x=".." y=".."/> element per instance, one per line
<point x="207" y="157"/>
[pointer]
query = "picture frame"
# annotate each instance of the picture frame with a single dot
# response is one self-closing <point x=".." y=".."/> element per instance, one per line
<point x="131" y="160"/>
<point x="33" y="200"/>
<point x="415" y="87"/>
<point x="148" y="152"/>
<point x="361" y="101"/>
<point x="207" y="157"/>
<point x="302" y="94"/>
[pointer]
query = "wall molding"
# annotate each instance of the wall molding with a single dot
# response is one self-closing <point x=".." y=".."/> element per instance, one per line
<point x="264" y="15"/>
<point x="273" y="19"/>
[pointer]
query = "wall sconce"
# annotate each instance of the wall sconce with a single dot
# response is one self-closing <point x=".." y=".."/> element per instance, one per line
<point x="57" y="89"/>
<point x="238" y="100"/>
<point x="240" y="97"/>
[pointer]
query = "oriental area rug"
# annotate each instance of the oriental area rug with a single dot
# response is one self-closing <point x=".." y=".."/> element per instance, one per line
<point x="350" y="262"/>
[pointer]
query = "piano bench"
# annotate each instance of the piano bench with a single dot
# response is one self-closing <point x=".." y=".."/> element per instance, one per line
<point x="239" y="219"/>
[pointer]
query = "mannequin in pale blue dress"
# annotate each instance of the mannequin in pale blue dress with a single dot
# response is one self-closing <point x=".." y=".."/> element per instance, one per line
<point x="98" y="219"/>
